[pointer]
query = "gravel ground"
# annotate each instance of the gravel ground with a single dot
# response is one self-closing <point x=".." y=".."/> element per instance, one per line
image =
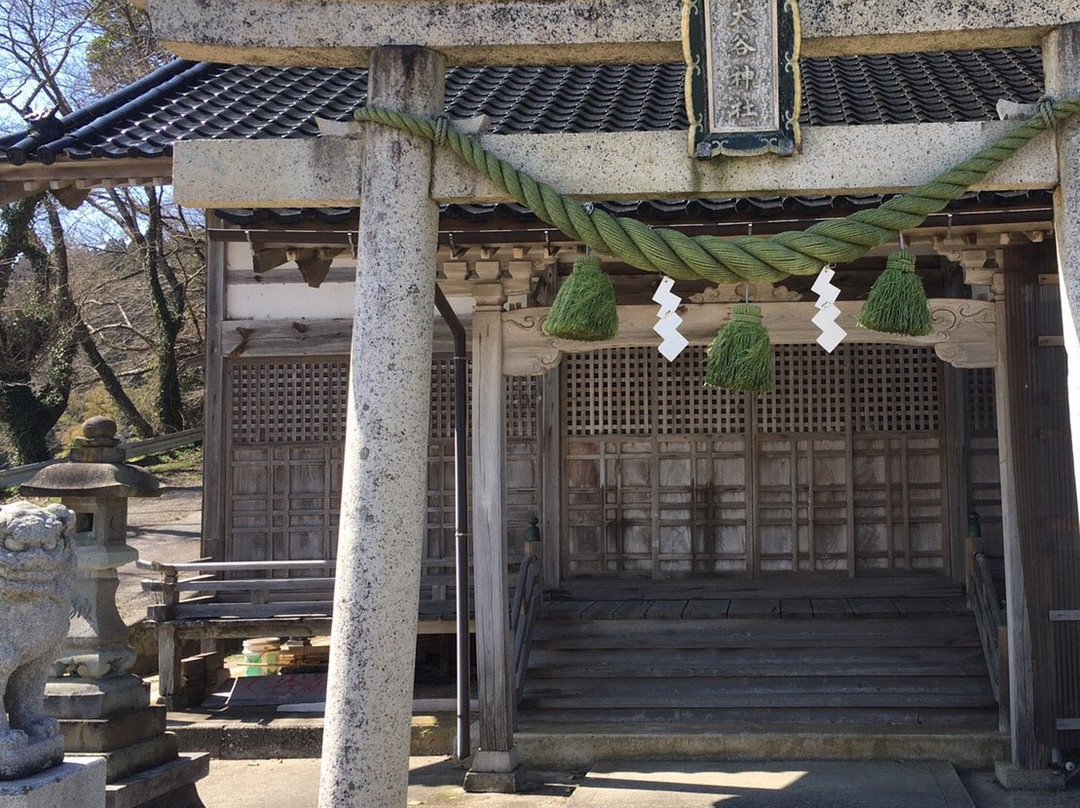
<point x="166" y="528"/>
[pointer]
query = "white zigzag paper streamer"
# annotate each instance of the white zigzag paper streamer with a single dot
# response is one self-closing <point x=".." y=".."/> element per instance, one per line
<point x="668" y="325"/>
<point x="831" y="334"/>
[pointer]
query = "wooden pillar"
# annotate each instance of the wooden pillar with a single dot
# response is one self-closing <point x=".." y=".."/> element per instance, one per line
<point x="496" y="766"/>
<point x="380" y="540"/>
<point x="551" y="475"/>
<point x="1061" y="60"/>
<point x="1021" y="680"/>
<point x="1042" y="548"/>
<point x="215" y="441"/>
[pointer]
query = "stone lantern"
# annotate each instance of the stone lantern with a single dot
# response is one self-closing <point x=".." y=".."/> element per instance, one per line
<point x="103" y="709"/>
<point x="95" y="484"/>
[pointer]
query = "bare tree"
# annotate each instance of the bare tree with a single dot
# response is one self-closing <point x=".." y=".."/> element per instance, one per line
<point x="37" y="341"/>
<point x="55" y="53"/>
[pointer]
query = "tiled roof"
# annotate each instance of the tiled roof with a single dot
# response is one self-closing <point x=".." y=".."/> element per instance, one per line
<point x="742" y="209"/>
<point x="189" y="100"/>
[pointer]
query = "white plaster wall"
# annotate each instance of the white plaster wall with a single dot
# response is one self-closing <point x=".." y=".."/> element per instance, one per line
<point x="288" y="301"/>
<point x="281" y="293"/>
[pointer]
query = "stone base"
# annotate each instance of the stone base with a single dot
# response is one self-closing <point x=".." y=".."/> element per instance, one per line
<point x="112" y="732"/>
<point x="134" y="758"/>
<point x="72" y="784"/>
<point x="21" y="758"/>
<point x="1013" y="778"/>
<point x="183" y="797"/>
<point x="495" y="772"/>
<point x="149" y="789"/>
<point x="70" y="697"/>
<point x="495" y="782"/>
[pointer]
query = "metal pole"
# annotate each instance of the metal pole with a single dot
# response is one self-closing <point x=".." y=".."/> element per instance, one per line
<point x="461" y="521"/>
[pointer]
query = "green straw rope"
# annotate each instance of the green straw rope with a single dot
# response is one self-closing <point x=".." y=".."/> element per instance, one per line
<point x="711" y="258"/>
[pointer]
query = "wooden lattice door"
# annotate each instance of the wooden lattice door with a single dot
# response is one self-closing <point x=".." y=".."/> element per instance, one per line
<point x="838" y="470"/>
<point x="284" y="459"/>
<point x="655" y="472"/>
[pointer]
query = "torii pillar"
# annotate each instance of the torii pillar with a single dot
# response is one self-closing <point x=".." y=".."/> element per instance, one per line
<point x="365" y="759"/>
<point x="1061" y="64"/>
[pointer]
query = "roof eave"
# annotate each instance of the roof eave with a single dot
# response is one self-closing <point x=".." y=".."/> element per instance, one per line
<point x="69" y="178"/>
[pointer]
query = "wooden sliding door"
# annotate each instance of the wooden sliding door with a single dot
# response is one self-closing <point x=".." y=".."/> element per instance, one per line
<point x="838" y="470"/>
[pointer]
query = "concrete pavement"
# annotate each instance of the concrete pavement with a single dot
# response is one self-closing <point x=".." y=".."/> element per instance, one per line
<point x="168" y="528"/>
<point x="437" y="782"/>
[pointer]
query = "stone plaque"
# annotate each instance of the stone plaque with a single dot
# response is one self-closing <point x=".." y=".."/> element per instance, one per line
<point x="742" y="76"/>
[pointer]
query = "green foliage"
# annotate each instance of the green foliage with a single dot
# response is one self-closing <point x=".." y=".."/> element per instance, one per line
<point x="740" y="357"/>
<point x="584" y="309"/>
<point x="175" y="467"/>
<point x="897" y="300"/>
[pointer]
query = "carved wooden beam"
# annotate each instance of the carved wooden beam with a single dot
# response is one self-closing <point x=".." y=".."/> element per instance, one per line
<point x="254" y="339"/>
<point x="964" y="331"/>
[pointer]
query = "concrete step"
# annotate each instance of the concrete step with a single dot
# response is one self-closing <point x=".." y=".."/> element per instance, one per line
<point x="569" y="746"/>
<point x="264" y="734"/>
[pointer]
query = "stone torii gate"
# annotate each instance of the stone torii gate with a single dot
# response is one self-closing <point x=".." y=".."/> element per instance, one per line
<point x="397" y="182"/>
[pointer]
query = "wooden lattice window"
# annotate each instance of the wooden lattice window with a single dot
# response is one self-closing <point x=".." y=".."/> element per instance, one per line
<point x="607" y="392"/>
<point x="289" y="402"/>
<point x="868" y="388"/>
<point x="811" y="391"/>
<point x="980" y="403"/>
<point x="442" y="398"/>
<point x="895" y="389"/>
<point x="685" y="406"/>
<point x="522" y="396"/>
<point x="285" y="461"/>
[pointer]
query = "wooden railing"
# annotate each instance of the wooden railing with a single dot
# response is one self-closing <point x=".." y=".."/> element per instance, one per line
<point x="523" y="612"/>
<point x="987" y="604"/>
<point x="17" y="475"/>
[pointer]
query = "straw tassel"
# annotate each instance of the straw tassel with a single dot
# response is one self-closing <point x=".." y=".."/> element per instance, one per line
<point x="584" y="309"/>
<point x="897" y="300"/>
<point x="740" y="357"/>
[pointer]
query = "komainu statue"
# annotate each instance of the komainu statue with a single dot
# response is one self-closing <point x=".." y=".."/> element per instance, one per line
<point x="37" y="566"/>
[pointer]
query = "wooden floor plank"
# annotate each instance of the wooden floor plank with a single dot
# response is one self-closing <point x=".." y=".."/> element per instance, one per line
<point x="873" y="607"/>
<point x="665" y="610"/>
<point x="808" y="585"/>
<point x="956" y="605"/>
<point x="566" y="609"/>
<point x="706" y="609"/>
<point x="601" y="610"/>
<point x="752" y="607"/>
<point x="632" y="610"/>
<point x="922" y="607"/>
<point x="831" y="607"/>
<point x="798" y="608"/>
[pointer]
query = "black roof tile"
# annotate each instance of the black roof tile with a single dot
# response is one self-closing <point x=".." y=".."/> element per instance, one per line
<point x="740" y="209"/>
<point x="187" y="100"/>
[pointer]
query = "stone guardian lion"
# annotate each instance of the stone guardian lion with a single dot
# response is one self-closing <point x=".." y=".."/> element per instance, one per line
<point x="37" y="567"/>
